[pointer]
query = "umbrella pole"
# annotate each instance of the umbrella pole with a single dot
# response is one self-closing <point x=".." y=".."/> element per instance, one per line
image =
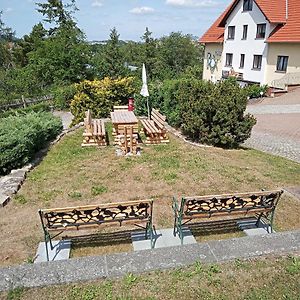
<point x="148" y="108"/>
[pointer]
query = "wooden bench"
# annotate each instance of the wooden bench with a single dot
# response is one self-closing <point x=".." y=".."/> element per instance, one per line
<point x="91" y="216"/>
<point x="242" y="205"/>
<point x="94" y="133"/>
<point x="154" y="128"/>
<point x="128" y="140"/>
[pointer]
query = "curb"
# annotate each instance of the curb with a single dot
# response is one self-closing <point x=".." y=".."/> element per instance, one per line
<point x="118" y="265"/>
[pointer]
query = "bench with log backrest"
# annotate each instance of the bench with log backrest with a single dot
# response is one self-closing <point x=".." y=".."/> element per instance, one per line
<point x="242" y="205"/>
<point x="154" y="128"/>
<point x="138" y="213"/>
<point x="94" y="133"/>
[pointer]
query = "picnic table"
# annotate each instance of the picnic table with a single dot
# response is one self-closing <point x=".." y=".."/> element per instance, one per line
<point x="122" y="118"/>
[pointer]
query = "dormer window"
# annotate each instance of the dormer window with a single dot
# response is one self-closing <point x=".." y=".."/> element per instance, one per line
<point x="247" y="6"/>
<point x="231" y="32"/>
<point x="261" y="31"/>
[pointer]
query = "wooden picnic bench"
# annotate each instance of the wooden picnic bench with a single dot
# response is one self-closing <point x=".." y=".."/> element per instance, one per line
<point x="154" y="128"/>
<point x="137" y="212"/>
<point x="94" y="131"/>
<point x="128" y="140"/>
<point x="243" y="205"/>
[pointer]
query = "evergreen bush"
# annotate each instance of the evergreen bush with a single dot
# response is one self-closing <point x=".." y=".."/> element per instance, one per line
<point x="100" y="96"/>
<point x="214" y="113"/>
<point x="22" y="136"/>
<point x="255" y="90"/>
<point x="42" y="106"/>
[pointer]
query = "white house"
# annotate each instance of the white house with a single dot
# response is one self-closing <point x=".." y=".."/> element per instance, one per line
<point x="258" y="41"/>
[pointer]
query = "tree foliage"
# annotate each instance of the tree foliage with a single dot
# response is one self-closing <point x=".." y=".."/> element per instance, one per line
<point x="100" y="96"/>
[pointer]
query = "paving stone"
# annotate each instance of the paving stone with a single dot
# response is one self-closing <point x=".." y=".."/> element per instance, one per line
<point x="4" y="199"/>
<point x="61" y="250"/>
<point x="19" y="173"/>
<point x="163" y="238"/>
<point x="250" y="228"/>
<point x="273" y="109"/>
<point x="294" y="190"/>
<point x="10" y="189"/>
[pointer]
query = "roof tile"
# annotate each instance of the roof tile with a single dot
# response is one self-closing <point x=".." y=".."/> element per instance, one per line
<point x="288" y="29"/>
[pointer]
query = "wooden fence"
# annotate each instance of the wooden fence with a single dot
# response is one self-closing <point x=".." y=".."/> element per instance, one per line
<point x="24" y="102"/>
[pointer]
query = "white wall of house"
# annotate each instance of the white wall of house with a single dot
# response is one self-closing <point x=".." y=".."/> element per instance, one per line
<point x="250" y="46"/>
<point x="212" y="63"/>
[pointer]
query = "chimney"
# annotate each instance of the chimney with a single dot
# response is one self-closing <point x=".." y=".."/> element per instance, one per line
<point x="286" y="9"/>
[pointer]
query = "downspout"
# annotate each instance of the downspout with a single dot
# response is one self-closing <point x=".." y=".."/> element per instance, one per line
<point x="286" y="9"/>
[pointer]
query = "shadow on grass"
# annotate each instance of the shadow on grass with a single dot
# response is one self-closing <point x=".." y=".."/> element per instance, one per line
<point x="220" y="229"/>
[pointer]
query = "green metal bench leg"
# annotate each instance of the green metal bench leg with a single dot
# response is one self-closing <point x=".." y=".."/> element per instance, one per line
<point x="272" y="221"/>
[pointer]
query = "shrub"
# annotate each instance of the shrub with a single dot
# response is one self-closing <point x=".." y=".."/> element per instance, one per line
<point x="100" y="96"/>
<point x="22" y="136"/>
<point x="254" y="90"/>
<point x="42" y="106"/>
<point x="63" y="96"/>
<point x="214" y="113"/>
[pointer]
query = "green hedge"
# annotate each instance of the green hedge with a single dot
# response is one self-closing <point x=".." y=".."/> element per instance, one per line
<point x="42" y="106"/>
<point x="23" y="135"/>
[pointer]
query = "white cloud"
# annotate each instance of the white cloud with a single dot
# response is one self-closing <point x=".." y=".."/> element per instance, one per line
<point x="97" y="3"/>
<point x="144" y="10"/>
<point x="8" y="9"/>
<point x="192" y="3"/>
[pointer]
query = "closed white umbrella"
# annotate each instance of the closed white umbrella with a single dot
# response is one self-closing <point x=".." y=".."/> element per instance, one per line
<point x="144" y="91"/>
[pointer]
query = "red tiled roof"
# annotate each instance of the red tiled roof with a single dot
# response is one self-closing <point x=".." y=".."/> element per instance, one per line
<point x="275" y="12"/>
<point x="215" y="34"/>
<point x="290" y="31"/>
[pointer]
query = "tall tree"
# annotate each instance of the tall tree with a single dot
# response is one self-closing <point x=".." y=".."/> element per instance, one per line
<point x="62" y="57"/>
<point x="58" y="14"/>
<point x="149" y="53"/>
<point x="178" y="51"/>
<point x="113" y="61"/>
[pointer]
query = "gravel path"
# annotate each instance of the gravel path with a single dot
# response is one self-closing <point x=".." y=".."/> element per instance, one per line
<point x="65" y="116"/>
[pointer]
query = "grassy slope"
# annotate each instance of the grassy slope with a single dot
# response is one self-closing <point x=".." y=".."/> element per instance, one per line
<point x="271" y="278"/>
<point x="71" y="175"/>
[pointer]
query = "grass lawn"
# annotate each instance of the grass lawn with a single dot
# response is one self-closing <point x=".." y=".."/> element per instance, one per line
<point x="72" y="175"/>
<point x="265" y="279"/>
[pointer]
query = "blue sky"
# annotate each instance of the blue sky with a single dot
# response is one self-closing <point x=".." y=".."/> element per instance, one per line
<point x="130" y="17"/>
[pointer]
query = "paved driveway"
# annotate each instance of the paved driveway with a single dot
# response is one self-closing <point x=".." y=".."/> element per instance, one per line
<point x="278" y="126"/>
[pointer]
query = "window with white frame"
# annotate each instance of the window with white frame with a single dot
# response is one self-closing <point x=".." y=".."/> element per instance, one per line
<point x="282" y="63"/>
<point x="228" y="62"/>
<point x="257" y="59"/>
